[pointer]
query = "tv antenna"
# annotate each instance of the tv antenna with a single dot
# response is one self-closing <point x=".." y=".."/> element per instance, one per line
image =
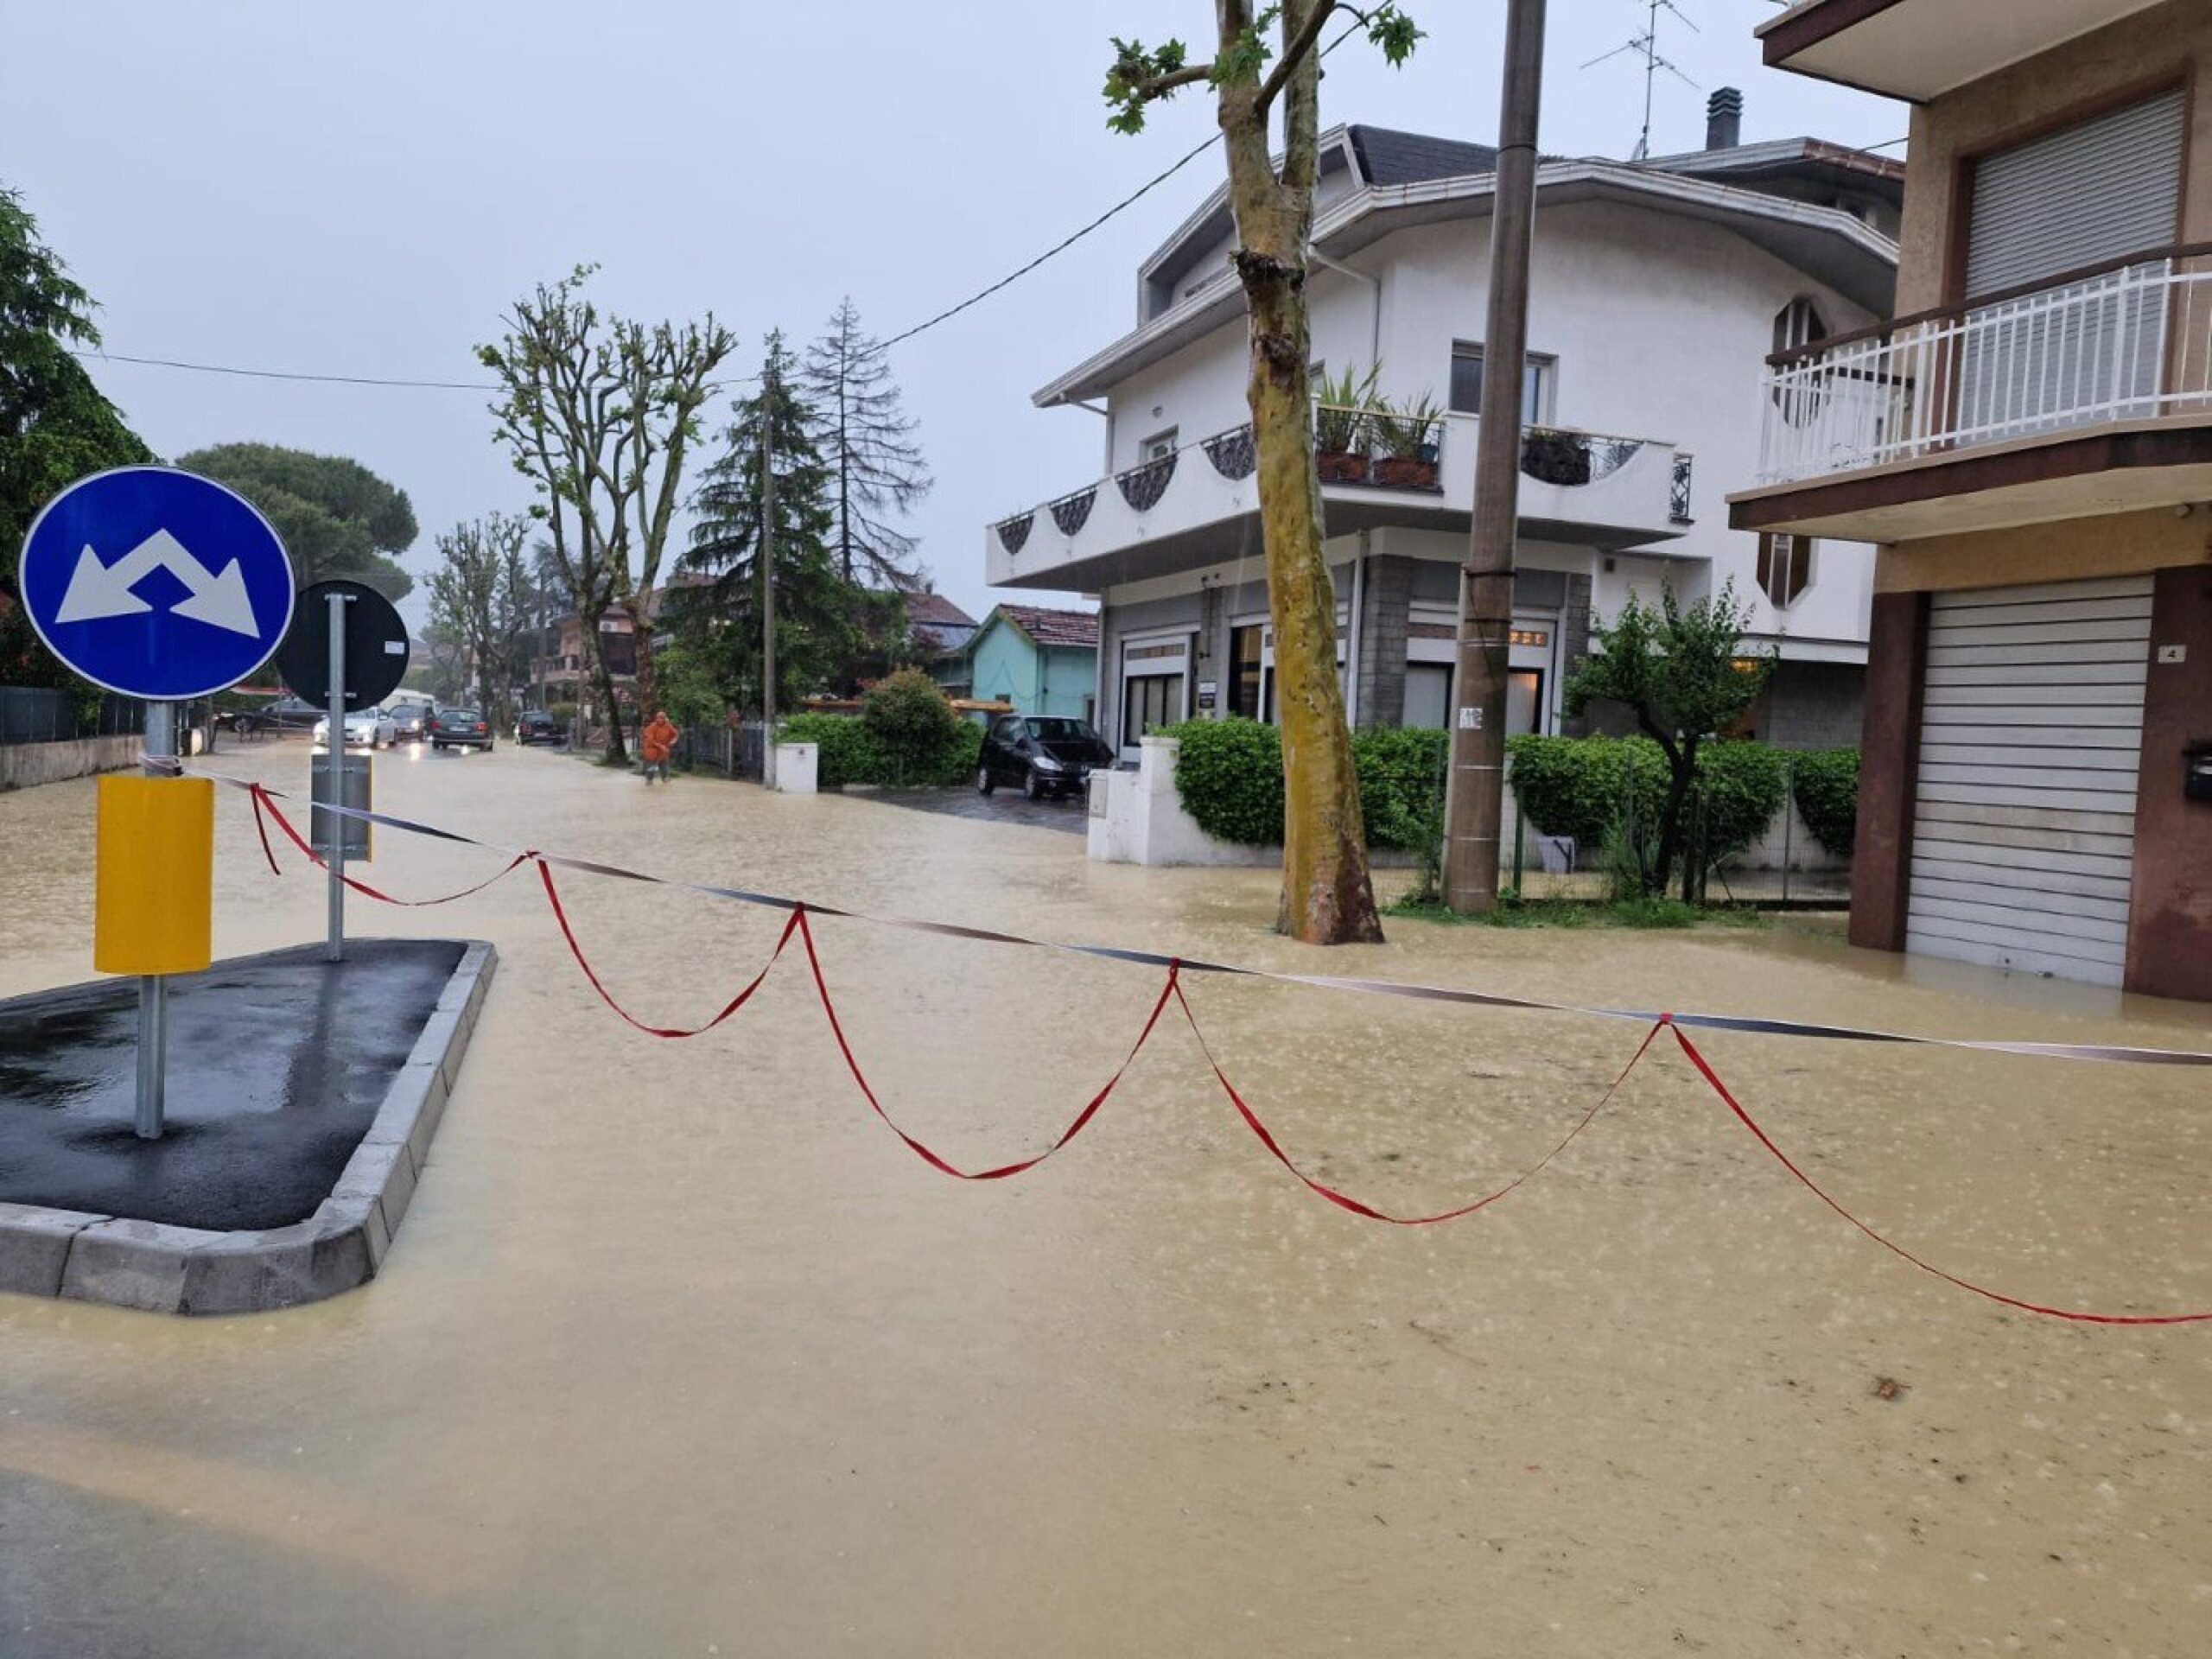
<point x="1646" y="46"/>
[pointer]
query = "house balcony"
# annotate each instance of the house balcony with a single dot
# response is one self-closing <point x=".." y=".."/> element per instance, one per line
<point x="2087" y="395"/>
<point x="1199" y="505"/>
<point x="1918" y="50"/>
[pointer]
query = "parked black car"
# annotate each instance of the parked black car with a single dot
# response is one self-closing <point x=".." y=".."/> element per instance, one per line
<point x="535" y="726"/>
<point x="1046" y="755"/>
<point x="460" y="728"/>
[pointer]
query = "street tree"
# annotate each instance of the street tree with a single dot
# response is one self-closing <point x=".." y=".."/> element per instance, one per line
<point x="868" y="443"/>
<point x="482" y="592"/>
<point x="54" y="425"/>
<point x="599" y="414"/>
<point x="338" y="520"/>
<point x="823" y="623"/>
<point x="1685" y="674"/>
<point x="1327" y="897"/>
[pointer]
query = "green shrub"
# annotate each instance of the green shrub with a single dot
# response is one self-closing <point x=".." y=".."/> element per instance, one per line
<point x="1401" y="786"/>
<point x="849" y="753"/>
<point x="1229" y="775"/>
<point x="914" y="724"/>
<point x="1826" y="784"/>
<point x="1580" y="786"/>
<point x="1744" y="786"/>
<point x="564" y="713"/>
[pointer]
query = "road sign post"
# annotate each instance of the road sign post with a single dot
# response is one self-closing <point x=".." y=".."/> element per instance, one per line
<point x="159" y="584"/>
<point x="154" y="988"/>
<point x="333" y="949"/>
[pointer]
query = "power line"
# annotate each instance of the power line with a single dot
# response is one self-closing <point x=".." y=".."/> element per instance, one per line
<point x="283" y="374"/>
<point x="94" y="354"/>
<point x="1061" y="246"/>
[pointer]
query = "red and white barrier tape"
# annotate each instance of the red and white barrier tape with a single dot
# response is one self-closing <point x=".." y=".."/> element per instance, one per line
<point x="798" y="923"/>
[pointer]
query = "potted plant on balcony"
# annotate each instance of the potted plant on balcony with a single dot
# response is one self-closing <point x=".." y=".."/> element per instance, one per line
<point x="1409" y="436"/>
<point x="1343" y="413"/>
<point x="1551" y="456"/>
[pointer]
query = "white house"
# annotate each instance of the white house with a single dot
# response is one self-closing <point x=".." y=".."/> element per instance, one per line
<point x="1657" y="289"/>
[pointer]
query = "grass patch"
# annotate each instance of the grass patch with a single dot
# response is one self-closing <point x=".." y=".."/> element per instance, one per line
<point x="1648" y="913"/>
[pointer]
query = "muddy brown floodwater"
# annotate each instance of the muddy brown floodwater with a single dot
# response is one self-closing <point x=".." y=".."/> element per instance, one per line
<point x="680" y="1352"/>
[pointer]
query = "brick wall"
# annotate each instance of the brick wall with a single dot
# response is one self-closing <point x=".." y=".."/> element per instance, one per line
<point x="1384" y="609"/>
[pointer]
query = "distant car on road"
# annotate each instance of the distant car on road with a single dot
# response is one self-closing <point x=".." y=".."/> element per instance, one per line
<point x="459" y="728"/>
<point x="535" y="726"/>
<point x="290" y="714"/>
<point x="409" y="720"/>
<point x="1046" y="754"/>
<point x="365" y="729"/>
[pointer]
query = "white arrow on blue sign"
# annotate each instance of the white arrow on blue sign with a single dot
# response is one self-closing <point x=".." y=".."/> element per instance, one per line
<point x="157" y="583"/>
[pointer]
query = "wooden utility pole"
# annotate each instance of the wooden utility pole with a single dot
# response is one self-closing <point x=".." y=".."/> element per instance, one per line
<point x="768" y="573"/>
<point x="1475" y="793"/>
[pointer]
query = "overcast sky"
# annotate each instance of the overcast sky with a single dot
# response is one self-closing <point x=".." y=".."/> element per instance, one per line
<point x="359" y="189"/>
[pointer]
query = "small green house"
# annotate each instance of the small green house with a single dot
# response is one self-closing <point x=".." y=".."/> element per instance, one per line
<point x="1043" y="662"/>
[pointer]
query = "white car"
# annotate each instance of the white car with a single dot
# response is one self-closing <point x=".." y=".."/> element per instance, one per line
<point x="365" y="729"/>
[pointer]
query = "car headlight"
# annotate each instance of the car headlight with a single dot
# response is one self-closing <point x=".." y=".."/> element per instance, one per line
<point x="1045" y="763"/>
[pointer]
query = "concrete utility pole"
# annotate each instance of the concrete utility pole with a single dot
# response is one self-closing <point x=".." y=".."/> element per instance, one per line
<point x="768" y="574"/>
<point x="1475" y="794"/>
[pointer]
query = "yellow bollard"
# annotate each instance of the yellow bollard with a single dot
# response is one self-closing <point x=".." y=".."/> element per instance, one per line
<point x="154" y="892"/>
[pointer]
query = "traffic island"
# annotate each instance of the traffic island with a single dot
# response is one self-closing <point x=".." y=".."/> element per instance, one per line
<point x="303" y="1096"/>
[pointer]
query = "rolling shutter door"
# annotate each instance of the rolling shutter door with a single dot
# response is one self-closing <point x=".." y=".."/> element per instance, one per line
<point x="2023" y="821"/>
<point x="2092" y="349"/>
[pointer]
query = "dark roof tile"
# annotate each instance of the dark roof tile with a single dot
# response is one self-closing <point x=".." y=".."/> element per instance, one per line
<point x="1388" y="156"/>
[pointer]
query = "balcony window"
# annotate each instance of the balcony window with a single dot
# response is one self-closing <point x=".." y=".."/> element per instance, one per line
<point x="1467" y="394"/>
<point x="1158" y="446"/>
<point x="2039" y="213"/>
<point x="1785" y="567"/>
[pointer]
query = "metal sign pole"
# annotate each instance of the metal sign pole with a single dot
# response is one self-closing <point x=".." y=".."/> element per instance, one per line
<point x="154" y="988"/>
<point x="334" y="948"/>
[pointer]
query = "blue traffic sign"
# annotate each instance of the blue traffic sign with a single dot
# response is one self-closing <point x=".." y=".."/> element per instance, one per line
<point x="157" y="583"/>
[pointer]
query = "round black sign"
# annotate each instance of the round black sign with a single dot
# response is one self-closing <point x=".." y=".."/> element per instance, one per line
<point x="376" y="646"/>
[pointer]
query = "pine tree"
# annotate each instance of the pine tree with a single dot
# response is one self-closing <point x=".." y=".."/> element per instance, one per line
<point x="822" y="622"/>
<point x="868" y="442"/>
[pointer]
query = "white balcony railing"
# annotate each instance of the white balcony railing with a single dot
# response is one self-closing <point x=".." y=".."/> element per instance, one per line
<point x="2128" y="341"/>
<point x="1194" y="504"/>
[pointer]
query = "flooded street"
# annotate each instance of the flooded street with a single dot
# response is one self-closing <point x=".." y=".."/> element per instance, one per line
<point x="679" y="1351"/>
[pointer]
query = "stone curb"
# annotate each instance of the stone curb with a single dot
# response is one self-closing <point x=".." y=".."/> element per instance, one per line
<point x="165" y="1270"/>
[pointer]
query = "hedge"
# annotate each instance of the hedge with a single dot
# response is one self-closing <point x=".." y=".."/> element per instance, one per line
<point x="1580" y="786"/>
<point x="1229" y="777"/>
<point x="1826" y="784"/>
<point x="850" y="753"/>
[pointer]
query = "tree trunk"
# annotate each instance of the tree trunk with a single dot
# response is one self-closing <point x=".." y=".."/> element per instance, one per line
<point x="1684" y="767"/>
<point x="641" y="635"/>
<point x="1327" y="897"/>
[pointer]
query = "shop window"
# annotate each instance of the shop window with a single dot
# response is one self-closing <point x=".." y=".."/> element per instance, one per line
<point x="1428" y="696"/>
<point x="1245" y="690"/>
<point x="1148" y="701"/>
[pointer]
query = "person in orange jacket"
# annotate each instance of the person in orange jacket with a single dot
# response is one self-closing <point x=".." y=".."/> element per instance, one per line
<point x="659" y="741"/>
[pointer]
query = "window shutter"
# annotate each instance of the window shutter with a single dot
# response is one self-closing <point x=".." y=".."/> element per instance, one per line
<point x="2092" y="192"/>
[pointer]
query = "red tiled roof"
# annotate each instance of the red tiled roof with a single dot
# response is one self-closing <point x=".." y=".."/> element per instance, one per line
<point x="1049" y="627"/>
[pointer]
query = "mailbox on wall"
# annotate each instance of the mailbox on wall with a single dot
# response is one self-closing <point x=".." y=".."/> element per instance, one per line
<point x="2197" y="783"/>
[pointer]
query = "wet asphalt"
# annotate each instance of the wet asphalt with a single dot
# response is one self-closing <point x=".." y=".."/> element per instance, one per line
<point x="277" y="1063"/>
<point x="1001" y="806"/>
